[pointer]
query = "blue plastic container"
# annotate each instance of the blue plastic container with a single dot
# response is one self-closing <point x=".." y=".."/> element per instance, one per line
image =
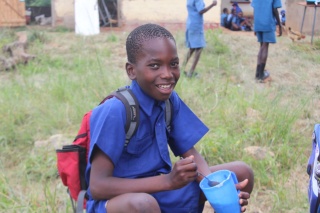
<point x="224" y="196"/>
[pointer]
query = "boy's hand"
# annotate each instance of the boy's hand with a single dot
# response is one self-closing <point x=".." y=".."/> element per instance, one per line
<point x="184" y="171"/>
<point x="280" y="30"/>
<point x="243" y="196"/>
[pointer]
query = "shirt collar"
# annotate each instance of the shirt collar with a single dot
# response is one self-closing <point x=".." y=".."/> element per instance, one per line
<point x="145" y="101"/>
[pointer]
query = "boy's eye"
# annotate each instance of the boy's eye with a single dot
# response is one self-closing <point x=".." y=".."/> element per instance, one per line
<point x="154" y="66"/>
<point x="175" y="64"/>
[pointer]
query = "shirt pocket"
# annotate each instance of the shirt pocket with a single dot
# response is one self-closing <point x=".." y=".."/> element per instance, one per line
<point x="138" y="146"/>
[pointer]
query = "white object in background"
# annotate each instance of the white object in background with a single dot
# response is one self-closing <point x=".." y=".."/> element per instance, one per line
<point x="86" y="17"/>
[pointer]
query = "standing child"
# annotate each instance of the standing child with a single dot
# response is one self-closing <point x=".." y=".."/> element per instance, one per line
<point x="265" y="12"/>
<point x="195" y="40"/>
<point x="140" y="176"/>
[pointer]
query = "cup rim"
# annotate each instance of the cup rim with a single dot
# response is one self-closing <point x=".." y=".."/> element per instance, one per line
<point x="203" y="186"/>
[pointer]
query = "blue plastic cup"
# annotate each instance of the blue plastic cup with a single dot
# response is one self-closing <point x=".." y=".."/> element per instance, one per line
<point x="222" y="197"/>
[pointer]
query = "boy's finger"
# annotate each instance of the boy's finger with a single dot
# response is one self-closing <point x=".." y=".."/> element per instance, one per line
<point x="188" y="159"/>
<point x="242" y="184"/>
<point x="244" y="195"/>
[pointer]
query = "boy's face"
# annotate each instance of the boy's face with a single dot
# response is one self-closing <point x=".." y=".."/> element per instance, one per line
<point x="157" y="68"/>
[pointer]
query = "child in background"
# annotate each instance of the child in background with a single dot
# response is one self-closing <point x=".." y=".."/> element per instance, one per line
<point x="140" y="177"/>
<point x="228" y="22"/>
<point x="283" y="17"/>
<point x="264" y="13"/>
<point x="240" y="23"/>
<point x="195" y="36"/>
<point x="236" y="7"/>
<point x="224" y="16"/>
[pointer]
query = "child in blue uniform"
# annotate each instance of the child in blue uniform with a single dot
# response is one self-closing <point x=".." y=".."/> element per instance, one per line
<point x="240" y="23"/>
<point x="223" y="17"/>
<point x="140" y="176"/>
<point x="265" y="13"/>
<point x="195" y="40"/>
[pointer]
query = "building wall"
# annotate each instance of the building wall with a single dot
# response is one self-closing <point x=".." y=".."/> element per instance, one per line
<point x="246" y="7"/>
<point x="294" y="14"/>
<point x="12" y="13"/>
<point x="171" y="11"/>
<point x="63" y="13"/>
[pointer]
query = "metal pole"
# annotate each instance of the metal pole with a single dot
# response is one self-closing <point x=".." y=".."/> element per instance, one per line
<point x="304" y="14"/>
<point x="314" y="22"/>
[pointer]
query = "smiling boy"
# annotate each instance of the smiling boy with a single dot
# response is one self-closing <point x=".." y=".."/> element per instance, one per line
<point x="140" y="176"/>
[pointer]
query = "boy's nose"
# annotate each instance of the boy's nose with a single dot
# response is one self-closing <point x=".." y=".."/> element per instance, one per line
<point x="167" y="72"/>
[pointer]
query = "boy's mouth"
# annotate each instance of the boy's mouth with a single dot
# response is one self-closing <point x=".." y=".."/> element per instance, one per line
<point x="164" y="86"/>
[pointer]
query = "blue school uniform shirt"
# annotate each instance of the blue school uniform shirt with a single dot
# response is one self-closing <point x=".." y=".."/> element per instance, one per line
<point x="237" y="20"/>
<point x="223" y="16"/>
<point x="147" y="154"/>
<point x="263" y="14"/>
<point x="195" y="19"/>
<point x="194" y="26"/>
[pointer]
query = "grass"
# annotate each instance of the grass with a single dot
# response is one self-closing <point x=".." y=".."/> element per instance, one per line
<point x="71" y="74"/>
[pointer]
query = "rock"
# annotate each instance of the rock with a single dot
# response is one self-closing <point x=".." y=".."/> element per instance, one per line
<point x="258" y="152"/>
<point x="54" y="142"/>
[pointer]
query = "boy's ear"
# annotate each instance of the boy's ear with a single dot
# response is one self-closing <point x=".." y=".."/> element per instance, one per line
<point x="130" y="71"/>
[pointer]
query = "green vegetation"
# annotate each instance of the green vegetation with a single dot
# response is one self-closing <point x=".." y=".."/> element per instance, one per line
<point x="38" y="3"/>
<point x="71" y="74"/>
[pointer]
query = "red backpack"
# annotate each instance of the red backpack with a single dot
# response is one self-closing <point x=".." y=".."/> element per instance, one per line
<point x="72" y="159"/>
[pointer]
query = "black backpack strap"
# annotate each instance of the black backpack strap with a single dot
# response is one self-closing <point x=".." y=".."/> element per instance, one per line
<point x="168" y="114"/>
<point x="131" y="104"/>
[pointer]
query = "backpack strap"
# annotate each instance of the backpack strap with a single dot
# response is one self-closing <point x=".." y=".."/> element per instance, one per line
<point x="80" y="202"/>
<point x="126" y="96"/>
<point x="168" y="114"/>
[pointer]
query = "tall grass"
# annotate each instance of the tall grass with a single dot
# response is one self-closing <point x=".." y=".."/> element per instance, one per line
<point x="71" y="74"/>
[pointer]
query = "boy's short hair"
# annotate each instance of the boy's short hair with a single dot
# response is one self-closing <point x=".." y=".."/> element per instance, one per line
<point x="225" y="10"/>
<point x="141" y="34"/>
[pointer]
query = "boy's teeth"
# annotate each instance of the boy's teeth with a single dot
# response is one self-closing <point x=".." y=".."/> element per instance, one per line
<point x="164" y="86"/>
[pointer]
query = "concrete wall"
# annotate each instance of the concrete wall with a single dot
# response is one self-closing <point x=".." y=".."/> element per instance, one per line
<point x="171" y="11"/>
<point x="246" y="7"/>
<point x="138" y="11"/>
<point x="63" y="13"/>
<point x="294" y="13"/>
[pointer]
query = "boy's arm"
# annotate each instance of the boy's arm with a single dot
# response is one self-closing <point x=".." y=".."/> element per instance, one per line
<point x="214" y="3"/>
<point x="276" y="14"/>
<point x="103" y="185"/>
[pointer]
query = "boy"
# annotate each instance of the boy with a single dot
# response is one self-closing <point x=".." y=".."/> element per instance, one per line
<point x="195" y="40"/>
<point x="140" y="177"/>
<point x="265" y="12"/>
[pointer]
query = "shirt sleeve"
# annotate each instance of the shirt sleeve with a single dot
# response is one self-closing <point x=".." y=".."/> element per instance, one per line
<point x="187" y="129"/>
<point x="253" y="3"/>
<point x="277" y="4"/>
<point x="199" y="5"/>
<point x="107" y="129"/>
